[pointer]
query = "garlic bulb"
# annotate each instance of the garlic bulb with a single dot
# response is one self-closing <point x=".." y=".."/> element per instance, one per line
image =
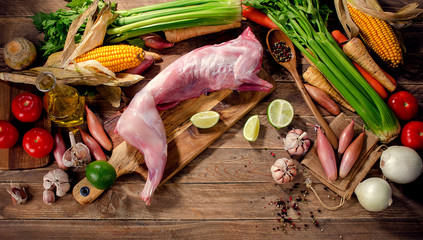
<point x="297" y="142"/>
<point x="57" y="179"/>
<point x="77" y="156"/>
<point x="283" y="170"/>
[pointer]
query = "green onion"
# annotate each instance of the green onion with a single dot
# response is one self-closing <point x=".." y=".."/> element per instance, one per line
<point x="302" y="21"/>
<point x="172" y="15"/>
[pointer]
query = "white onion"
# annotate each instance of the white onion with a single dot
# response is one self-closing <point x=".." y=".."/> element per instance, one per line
<point x="374" y="194"/>
<point x="401" y="164"/>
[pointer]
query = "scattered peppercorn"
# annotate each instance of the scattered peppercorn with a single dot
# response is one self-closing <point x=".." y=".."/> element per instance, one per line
<point x="284" y="214"/>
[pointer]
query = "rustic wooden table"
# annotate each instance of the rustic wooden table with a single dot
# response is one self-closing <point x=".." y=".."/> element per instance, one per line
<point x="227" y="192"/>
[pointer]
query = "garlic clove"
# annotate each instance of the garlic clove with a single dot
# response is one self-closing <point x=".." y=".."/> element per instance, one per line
<point x="48" y="197"/>
<point x="62" y="189"/>
<point x="18" y="194"/>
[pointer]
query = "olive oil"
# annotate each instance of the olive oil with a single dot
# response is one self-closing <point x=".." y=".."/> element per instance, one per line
<point x="64" y="105"/>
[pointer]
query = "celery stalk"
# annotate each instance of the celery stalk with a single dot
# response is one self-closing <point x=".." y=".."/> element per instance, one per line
<point x="302" y="21"/>
<point x="172" y="15"/>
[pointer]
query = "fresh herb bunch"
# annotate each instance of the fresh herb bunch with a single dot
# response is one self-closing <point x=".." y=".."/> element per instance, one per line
<point x="55" y="25"/>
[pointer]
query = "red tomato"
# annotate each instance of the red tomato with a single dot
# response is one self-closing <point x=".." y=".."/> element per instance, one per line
<point x="38" y="142"/>
<point x="27" y="107"/>
<point x="8" y="134"/>
<point x="412" y="135"/>
<point x="404" y="105"/>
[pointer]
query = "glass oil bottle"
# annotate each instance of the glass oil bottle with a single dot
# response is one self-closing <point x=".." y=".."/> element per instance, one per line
<point x="64" y="105"/>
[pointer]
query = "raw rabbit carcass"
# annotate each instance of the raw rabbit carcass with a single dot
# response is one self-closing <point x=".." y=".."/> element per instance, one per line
<point x="229" y="65"/>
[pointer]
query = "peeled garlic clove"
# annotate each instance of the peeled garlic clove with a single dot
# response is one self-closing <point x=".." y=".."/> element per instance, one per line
<point x="297" y="142"/>
<point x="283" y="170"/>
<point x="48" y="197"/>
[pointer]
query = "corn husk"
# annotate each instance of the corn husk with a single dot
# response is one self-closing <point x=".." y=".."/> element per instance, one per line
<point x="94" y="32"/>
<point x="112" y="94"/>
<point x="401" y="18"/>
<point x="72" y="77"/>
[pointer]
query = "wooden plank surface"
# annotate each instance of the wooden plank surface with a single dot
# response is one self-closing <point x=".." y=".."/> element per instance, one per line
<point x="227" y="191"/>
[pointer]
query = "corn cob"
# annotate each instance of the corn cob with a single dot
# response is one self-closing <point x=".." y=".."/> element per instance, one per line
<point x="115" y="57"/>
<point x="378" y="36"/>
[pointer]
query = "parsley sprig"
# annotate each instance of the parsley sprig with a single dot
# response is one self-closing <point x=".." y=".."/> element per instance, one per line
<point x="55" y="25"/>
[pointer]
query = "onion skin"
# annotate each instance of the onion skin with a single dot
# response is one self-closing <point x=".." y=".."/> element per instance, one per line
<point x="326" y="155"/>
<point x="97" y="131"/>
<point x="59" y="149"/>
<point x="351" y="155"/>
<point x="92" y="144"/>
<point x="346" y="137"/>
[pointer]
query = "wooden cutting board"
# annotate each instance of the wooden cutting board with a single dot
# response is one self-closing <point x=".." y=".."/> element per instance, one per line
<point x="185" y="141"/>
<point x="16" y="157"/>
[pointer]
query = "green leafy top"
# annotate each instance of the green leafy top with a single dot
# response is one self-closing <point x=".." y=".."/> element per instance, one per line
<point x="55" y="25"/>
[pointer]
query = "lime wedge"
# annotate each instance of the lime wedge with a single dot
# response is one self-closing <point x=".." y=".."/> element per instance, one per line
<point x="280" y="113"/>
<point x="252" y="128"/>
<point x="206" y="119"/>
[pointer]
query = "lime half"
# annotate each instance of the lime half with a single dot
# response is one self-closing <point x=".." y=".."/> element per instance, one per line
<point x="252" y="128"/>
<point x="280" y="113"/>
<point x="206" y="119"/>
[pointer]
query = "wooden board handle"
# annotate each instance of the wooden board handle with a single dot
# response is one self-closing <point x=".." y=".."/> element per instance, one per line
<point x="125" y="159"/>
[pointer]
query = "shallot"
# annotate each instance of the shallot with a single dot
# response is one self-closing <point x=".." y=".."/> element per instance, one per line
<point x="95" y="148"/>
<point x="351" y="155"/>
<point x="97" y="131"/>
<point x="326" y="155"/>
<point x="297" y="142"/>
<point x="374" y="194"/>
<point x="283" y="170"/>
<point x="346" y="137"/>
<point x="401" y="164"/>
<point x="146" y="63"/>
<point x="155" y="41"/>
<point x="59" y="149"/>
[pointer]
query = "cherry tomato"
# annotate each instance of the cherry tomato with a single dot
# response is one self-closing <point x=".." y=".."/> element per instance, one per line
<point x="27" y="107"/>
<point x="38" y="142"/>
<point x="412" y="135"/>
<point x="8" y="134"/>
<point x="404" y="105"/>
